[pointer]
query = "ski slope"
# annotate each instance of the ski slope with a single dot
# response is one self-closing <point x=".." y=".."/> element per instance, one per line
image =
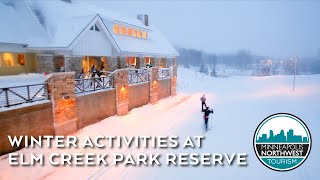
<point x="240" y="103"/>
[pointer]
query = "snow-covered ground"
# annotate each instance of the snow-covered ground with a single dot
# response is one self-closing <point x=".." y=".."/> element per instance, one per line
<point x="240" y="104"/>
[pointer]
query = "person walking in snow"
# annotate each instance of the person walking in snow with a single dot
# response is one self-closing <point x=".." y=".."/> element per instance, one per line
<point x="203" y="101"/>
<point x="206" y="112"/>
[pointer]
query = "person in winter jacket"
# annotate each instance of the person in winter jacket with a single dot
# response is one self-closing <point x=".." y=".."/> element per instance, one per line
<point x="203" y="101"/>
<point x="207" y="112"/>
<point x="93" y="71"/>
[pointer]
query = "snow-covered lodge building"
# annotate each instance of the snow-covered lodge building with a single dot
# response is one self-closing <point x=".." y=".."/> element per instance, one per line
<point x="60" y="35"/>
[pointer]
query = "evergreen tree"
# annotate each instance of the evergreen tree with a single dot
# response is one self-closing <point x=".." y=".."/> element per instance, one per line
<point x="203" y="69"/>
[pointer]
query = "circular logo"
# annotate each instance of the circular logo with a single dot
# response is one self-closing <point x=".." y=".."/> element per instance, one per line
<point x="282" y="142"/>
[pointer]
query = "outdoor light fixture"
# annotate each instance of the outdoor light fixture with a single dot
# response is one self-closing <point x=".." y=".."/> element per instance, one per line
<point x="155" y="82"/>
<point x="122" y="88"/>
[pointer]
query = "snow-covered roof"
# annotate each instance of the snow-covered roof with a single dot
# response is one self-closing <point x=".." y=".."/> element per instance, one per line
<point x="58" y="24"/>
<point x="10" y="25"/>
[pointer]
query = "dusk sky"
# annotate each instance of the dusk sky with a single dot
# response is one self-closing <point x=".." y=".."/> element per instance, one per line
<point x="272" y="28"/>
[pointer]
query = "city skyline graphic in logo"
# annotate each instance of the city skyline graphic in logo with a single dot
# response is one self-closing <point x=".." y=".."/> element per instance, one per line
<point x="282" y="142"/>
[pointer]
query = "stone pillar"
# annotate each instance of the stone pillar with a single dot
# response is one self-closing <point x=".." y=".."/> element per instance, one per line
<point x="140" y="62"/>
<point x="120" y="82"/>
<point x="113" y="63"/>
<point x="174" y="81"/>
<point x="73" y="63"/>
<point x="106" y="64"/>
<point x="122" y="62"/>
<point x="62" y="95"/>
<point x="174" y="61"/>
<point x="154" y="61"/>
<point x="45" y="63"/>
<point x="154" y="85"/>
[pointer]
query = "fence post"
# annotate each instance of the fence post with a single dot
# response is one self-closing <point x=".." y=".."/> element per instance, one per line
<point x="28" y="89"/>
<point x="7" y="97"/>
<point x="154" y="85"/>
<point x="174" y="80"/>
<point x="63" y="99"/>
<point x="121" y="84"/>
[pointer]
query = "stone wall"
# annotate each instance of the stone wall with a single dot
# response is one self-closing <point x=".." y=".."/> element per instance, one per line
<point x="58" y="63"/>
<point x="164" y="88"/>
<point x="62" y="95"/>
<point x="73" y="63"/>
<point x="45" y="63"/>
<point x="113" y="63"/>
<point x="139" y="95"/>
<point x="35" y="120"/>
<point x="94" y="107"/>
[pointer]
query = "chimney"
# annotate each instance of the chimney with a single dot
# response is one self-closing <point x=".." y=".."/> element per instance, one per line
<point x="143" y="18"/>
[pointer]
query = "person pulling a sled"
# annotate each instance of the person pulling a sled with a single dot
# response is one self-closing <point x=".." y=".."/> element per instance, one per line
<point x="206" y="112"/>
<point x="203" y="102"/>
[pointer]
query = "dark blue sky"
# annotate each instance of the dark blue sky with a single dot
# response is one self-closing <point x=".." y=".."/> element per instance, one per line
<point x="273" y="28"/>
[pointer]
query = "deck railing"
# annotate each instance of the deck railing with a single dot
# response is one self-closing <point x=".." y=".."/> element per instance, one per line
<point x="11" y="96"/>
<point x="138" y="76"/>
<point x="93" y="84"/>
<point x="164" y="73"/>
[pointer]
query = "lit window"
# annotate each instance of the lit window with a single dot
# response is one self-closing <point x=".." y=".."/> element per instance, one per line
<point x="8" y="59"/>
<point x="116" y="29"/>
<point x="134" y="33"/>
<point x="147" y="60"/>
<point x="139" y="34"/>
<point x="123" y="30"/>
<point x="144" y="35"/>
<point x="21" y="59"/>
<point x="132" y="61"/>
<point x="129" y="32"/>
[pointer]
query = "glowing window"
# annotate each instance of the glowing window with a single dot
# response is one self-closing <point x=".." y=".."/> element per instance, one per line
<point x="132" y="61"/>
<point x="134" y="32"/>
<point x="144" y="35"/>
<point x="116" y="29"/>
<point x="147" y="60"/>
<point x="139" y="34"/>
<point x="123" y="30"/>
<point x="8" y="59"/>
<point x="129" y="32"/>
<point x="21" y="59"/>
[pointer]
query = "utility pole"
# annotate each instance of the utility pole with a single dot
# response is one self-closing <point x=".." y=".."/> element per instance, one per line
<point x="295" y="72"/>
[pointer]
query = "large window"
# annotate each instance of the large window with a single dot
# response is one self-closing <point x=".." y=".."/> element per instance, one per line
<point x="21" y="59"/>
<point x="134" y="33"/>
<point x="144" y="35"/>
<point x="131" y="61"/>
<point x="7" y="59"/>
<point x="139" y="34"/>
<point x="116" y="29"/>
<point x="147" y="60"/>
<point x="128" y="31"/>
<point x="12" y="59"/>
<point x="123" y="30"/>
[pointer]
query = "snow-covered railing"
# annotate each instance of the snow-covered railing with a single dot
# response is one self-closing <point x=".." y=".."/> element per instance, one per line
<point x="93" y="84"/>
<point x="164" y="73"/>
<point x="11" y="96"/>
<point x="138" y="75"/>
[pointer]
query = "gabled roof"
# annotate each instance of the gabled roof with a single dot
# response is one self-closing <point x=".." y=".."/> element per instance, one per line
<point x="64" y="22"/>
